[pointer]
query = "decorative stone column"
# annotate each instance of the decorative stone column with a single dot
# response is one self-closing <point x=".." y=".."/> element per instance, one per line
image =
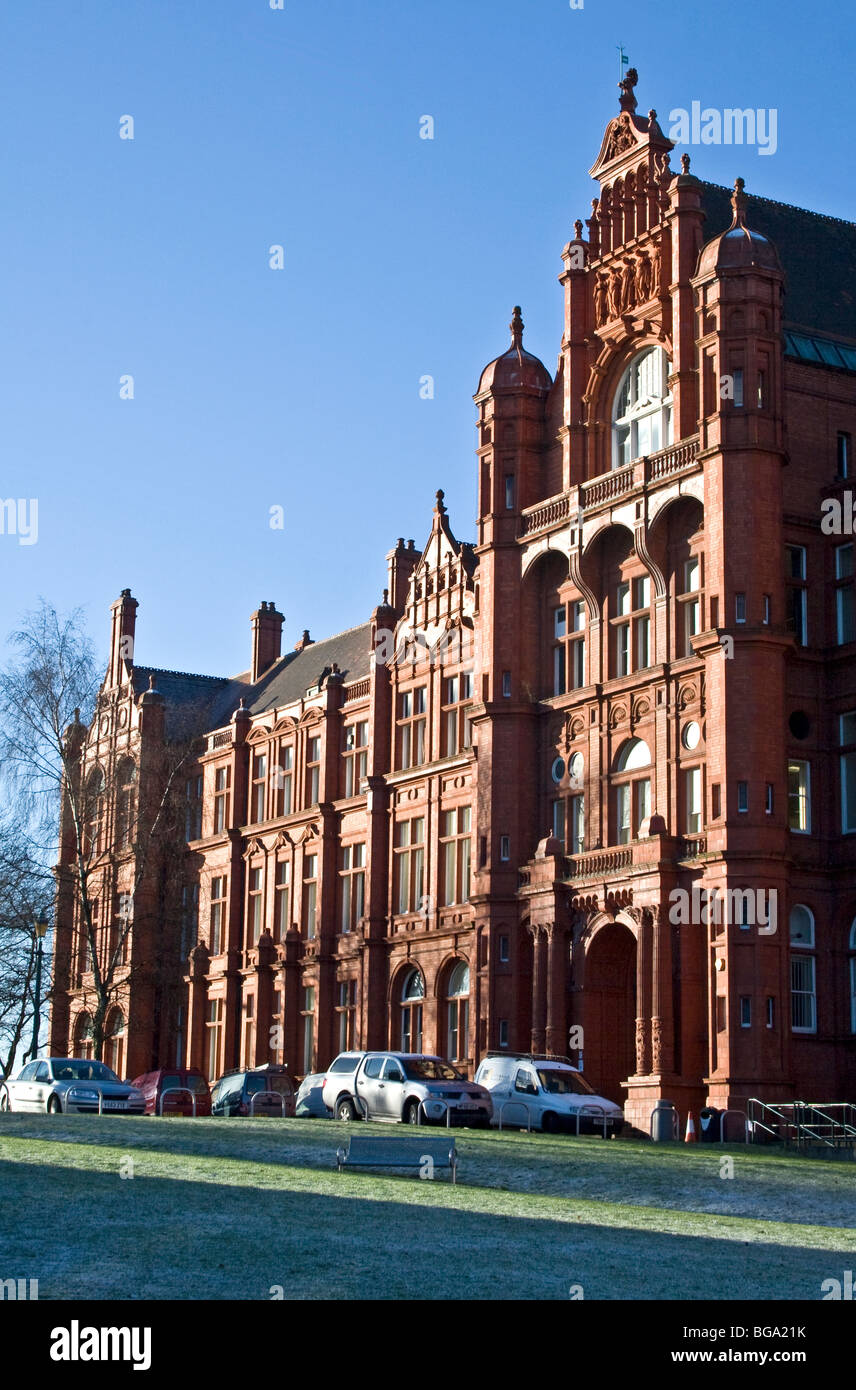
<point x="539" y="988"/>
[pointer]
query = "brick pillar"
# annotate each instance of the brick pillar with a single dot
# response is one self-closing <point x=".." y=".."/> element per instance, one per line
<point x="266" y="956"/>
<point x="539" y="988"/>
<point x="557" y="987"/>
<point x="662" y="1032"/>
<point x="289" y="954"/>
<point x="197" y="1001"/>
<point x="643" y="996"/>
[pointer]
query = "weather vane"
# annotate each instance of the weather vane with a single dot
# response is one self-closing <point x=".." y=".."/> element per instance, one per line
<point x="623" y="60"/>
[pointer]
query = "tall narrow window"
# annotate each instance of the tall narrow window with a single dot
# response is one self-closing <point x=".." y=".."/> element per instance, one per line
<point x="412" y="995"/>
<point x="310" y="894"/>
<point x="843" y="454"/>
<point x="192" y="811"/>
<point x="281" y="777"/>
<point x="845" y="595"/>
<point x="258" y="788"/>
<point x="307" y="1017"/>
<point x="458" y="1013"/>
<point x="411" y="727"/>
<point x="455" y="850"/>
<point x="797" y="593"/>
<point x="803" y="971"/>
<point x="852" y="972"/>
<point x="217" y="936"/>
<point x="847" y="742"/>
<point x="740" y="608"/>
<point x="457" y="701"/>
<point x="631" y="792"/>
<point x="799" y="797"/>
<point x="410" y="864"/>
<point x="221" y="799"/>
<point x="346" y="1012"/>
<point x="642" y="410"/>
<point x="353" y="876"/>
<point x="254" y="906"/>
<point x="214" y="1029"/>
<point x="282" y="900"/>
<point x="313" y="770"/>
<point x="576" y="806"/>
<point x="692" y="795"/>
<point x="356" y="756"/>
<point x="560" y="632"/>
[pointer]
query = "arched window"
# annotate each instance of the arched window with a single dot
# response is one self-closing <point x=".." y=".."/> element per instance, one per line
<point x="126" y="780"/>
<point x="114" y="1041"/>
<point x="82" y="1045"/>
<point x="803" y="970"/>
<point x="853" y="977"/>
<point x="458" y="1012"/>
<point x="642" y="412"/>
<point x="412" y="995"/>
<point x="632" y="794"/>
<point x="93" y="813"/>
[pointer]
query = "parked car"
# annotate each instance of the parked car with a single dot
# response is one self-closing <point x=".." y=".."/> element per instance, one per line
<point x="392" y="1086"/>
<point x="70" y="1085"/>
<point x="309" y="1102"/>
<point x="554" y="1093"/>
<point x="265" y="1090"/>
<point x="180" y="1082"/>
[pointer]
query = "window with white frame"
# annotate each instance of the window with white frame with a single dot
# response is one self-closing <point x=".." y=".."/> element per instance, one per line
<point x="356" y="756"/>
<point x="353" y="876"/>
<point x="692" y="800"/>
<point x="410" y="863"/>
<point x="458" y="1012"/>
<point x="632" y="793"/>
<point x="642" y="412"/>
<point x="803" y="970"/>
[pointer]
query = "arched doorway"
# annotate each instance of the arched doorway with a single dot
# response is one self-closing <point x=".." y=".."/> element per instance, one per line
<point x="609" y="1010"/>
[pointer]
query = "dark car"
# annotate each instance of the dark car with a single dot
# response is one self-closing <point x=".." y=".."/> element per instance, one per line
<point x="310" y="1098"/>
<point x="254" y="1091"/>
<point x="172" y="1090"/>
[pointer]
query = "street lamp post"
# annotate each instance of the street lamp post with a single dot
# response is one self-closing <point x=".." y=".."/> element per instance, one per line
<point x="41" y="927"/>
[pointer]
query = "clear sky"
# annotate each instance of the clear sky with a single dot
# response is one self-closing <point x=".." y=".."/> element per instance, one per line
<point x="403" y="257"/>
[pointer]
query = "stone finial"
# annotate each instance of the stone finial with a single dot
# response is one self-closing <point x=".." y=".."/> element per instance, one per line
<point x="386" y="597"/>
<point x="516" y="327"/>
<point x="440" y="508"/>
<point x="685" y="164"/>
<point x="628" y="82"/>
<point x="578" y="229"/>
<point x="738" y="203"/>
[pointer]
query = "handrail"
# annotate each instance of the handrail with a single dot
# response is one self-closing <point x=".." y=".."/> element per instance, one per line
<point x="591" y="1110"/>
<point x="802" y="1121"/>
<point x="523" y="1106"/>
<point x="174" y="1090"/>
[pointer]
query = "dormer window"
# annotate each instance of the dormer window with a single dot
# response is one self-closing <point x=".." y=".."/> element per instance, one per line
<point x="642" y="413"/>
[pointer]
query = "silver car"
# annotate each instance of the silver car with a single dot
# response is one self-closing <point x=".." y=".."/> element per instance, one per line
<point x="70" y="1085"/>
<point x="412" y="1087"/>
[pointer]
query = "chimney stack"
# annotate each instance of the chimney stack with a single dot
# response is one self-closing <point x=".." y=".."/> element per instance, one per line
<point x="267" y="639"/>
<point x="124" y="622"/>
<point x="401" y="562"/>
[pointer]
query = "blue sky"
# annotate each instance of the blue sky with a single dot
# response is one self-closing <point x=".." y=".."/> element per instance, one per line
<point x="402" y="257"/>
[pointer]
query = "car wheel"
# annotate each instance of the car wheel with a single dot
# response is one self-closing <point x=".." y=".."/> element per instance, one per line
<point x="411" y="1113"/>
<point x="550" y="1123"/>
<point x="54" y="1105"/>
<point x="5" y="1102"/>
<point x="345" y="1110"/>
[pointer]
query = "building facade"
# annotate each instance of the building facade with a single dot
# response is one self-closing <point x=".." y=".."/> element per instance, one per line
<point x="586" y="784"/>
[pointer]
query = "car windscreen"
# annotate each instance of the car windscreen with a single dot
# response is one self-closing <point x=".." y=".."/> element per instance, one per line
<point x="564" y="1083"/>
<point x="75" y="1070"/>
<point x="282" y="1084"/>
<point x="197" y="1084"/>
<point x="349" y="1062"/>
<point x="429" y="1069"/>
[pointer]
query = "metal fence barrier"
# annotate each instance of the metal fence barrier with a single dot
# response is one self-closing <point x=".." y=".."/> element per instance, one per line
<point x="268" y="1094"/>
<point x="177" y="1090"/>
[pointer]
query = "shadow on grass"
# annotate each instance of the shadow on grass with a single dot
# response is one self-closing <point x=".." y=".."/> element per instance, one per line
<point x="86" y="1234"/>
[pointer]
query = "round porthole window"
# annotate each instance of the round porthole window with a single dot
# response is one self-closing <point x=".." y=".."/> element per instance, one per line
<point x="557" y="771"/>
<point x="691" y="736"/>
<point x="575" y="768"/>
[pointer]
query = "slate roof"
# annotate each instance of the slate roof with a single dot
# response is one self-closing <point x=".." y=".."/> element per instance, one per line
<point x="198" y="704"/>
<point x="818" y="255"/>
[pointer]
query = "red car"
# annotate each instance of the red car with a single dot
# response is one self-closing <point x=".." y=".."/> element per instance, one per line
<point x="180" y="1082"/>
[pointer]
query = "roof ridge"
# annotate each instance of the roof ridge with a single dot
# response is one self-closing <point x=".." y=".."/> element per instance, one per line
<point x="774" y="202"/>
<point x="193" y="675"/>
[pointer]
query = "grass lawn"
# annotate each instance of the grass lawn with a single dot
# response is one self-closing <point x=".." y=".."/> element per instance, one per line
<point x="236" y="1208"/>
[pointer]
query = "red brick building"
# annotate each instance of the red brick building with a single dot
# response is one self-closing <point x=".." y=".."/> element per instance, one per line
<point x="489" y="815"/>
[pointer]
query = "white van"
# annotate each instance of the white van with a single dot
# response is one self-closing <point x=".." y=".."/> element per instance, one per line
<point x="552" y="1093"/>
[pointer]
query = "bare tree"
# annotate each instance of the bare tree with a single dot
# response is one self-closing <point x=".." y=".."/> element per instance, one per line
<point x="43" y="751"/>
<point x="26" y="891"/>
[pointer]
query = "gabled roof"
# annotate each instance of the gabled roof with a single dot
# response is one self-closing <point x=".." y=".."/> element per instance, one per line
<point x="296" y="672"/>
<point x="818" y="256"/>
<point x="194" y="704"/>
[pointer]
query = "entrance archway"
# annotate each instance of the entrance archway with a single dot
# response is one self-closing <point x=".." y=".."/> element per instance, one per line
<point x="609" y="1010"/>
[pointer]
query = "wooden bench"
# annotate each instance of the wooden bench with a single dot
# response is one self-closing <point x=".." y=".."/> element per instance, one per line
<point x="366" y="1151"/>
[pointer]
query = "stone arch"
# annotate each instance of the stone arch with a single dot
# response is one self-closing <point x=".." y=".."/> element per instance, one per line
<point x="609" y="1002"/>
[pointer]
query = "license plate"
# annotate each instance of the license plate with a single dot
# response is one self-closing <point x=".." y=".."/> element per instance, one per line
<point x="114" y="1105"/>
<point x="469" y="1107"/>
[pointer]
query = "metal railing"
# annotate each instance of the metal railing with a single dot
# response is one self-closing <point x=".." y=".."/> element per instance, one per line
<point x="268" y="1095"/>
<point x="422" y="1106"/>
<point x="177" y="1090"/>
<point x="521" y="1105"/>
<point x="801" y="1123"/>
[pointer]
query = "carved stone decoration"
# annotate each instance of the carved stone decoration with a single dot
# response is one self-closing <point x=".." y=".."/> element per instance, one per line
<point x="617" y="715"/>
<point x="643" y="280"/>
<point x="620" y="137"/>
<point x="600" y="305"/>
<point x="686" y="696"/>
<point x="627" y="288"/>
<point x="643" y="1061"/>
<point x="614" y="293"/>
<point x="656" y="1045"/>
<point x="576" y="727"/>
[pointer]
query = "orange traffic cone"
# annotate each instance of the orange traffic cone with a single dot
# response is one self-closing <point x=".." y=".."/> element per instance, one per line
<point x="690" y="1136"/>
